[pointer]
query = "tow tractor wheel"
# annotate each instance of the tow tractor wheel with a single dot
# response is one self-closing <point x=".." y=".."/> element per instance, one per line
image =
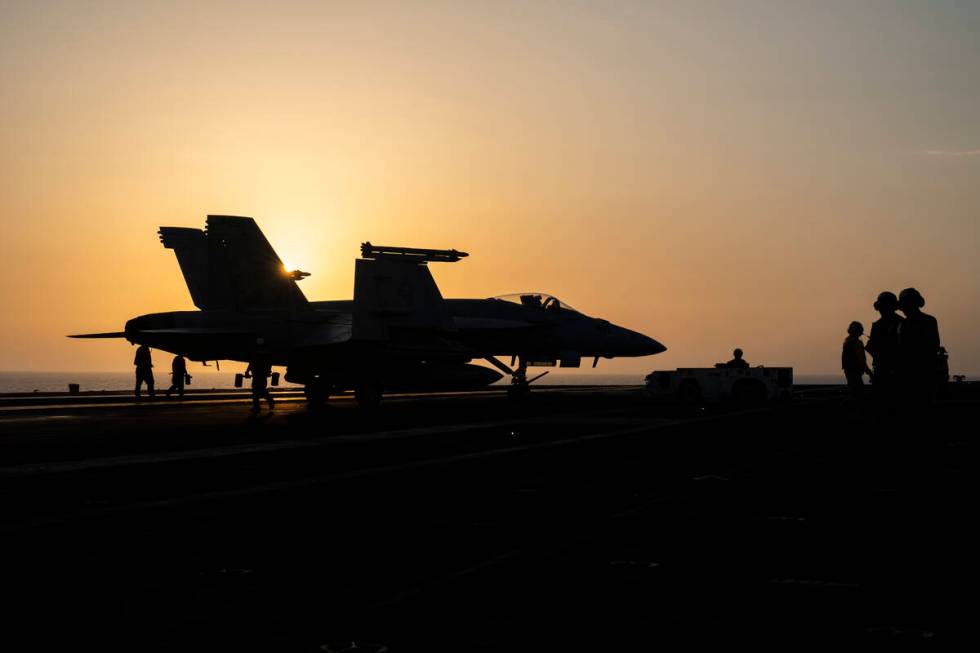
<point x="689" y="392"/>
<point x="749" y="392"/>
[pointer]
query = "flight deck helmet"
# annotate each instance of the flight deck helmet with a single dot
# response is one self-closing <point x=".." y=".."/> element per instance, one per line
<point x="887" y="301"/>
<point x="911" y="298"/>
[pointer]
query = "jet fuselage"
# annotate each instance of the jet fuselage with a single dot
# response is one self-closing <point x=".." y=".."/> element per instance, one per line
<point x="483" y="327"/>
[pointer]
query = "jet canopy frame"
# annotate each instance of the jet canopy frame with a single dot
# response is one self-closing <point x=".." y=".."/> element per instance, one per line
<point x="536" y="300"/>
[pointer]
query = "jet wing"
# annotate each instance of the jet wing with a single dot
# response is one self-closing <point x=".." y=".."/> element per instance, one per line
<point x="110" y="334"/>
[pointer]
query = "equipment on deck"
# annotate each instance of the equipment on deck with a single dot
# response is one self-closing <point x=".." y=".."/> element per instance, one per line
<point x="696" y="385"/>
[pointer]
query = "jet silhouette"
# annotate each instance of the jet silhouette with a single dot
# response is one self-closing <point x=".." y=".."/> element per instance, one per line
<point x="397" y="333"/>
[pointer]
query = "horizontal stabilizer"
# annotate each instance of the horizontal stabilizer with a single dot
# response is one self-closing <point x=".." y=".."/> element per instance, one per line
<point x="111" y="334"/>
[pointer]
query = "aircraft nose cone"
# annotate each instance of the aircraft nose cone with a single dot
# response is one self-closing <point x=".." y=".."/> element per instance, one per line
<point x="633" y="343"/>
<point x="645" y="345"/>
<point x="652" y="346"/>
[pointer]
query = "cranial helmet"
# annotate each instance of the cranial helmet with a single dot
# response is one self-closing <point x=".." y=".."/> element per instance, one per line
<point x="886" y="300"/>
<point x="912" y="296"/>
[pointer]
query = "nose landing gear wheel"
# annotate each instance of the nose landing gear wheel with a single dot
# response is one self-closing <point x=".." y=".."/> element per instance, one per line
<point x="520" y="385"/>
<point x="518" y="390"/>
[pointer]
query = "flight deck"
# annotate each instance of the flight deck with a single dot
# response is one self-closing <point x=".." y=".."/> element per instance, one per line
<point x="581" y="517"/>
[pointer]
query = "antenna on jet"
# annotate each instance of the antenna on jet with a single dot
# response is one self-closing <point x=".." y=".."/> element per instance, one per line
<point x="411" y="254"/>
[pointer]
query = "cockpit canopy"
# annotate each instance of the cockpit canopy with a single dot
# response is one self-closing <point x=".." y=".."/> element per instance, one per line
<point x="536" y="300"/>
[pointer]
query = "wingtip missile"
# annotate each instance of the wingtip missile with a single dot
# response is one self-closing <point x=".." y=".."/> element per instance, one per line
<point x="414" y="254"/>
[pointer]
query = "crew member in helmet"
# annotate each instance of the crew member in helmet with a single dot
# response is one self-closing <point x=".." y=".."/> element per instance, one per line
<point x="854" y="362"/>
<point x="883" y="346"/>
<point x="918" y="348"/>
<point x="259" y="370"/>
<point x="737" y="362"/>
<point x="144" y="371"/>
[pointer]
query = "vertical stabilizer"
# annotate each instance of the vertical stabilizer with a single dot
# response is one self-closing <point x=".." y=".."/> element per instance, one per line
<point x="245" y="272"/>
<point x="230" y="265"/>
<point x="191" y="248"/>
<point x="395" y="289"/>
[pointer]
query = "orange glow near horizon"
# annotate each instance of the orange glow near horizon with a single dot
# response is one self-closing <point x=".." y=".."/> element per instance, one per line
<point x="712" y="177"/>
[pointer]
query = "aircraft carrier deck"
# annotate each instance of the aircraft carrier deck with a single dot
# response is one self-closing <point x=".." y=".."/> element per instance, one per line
<point x="585" y="518"/>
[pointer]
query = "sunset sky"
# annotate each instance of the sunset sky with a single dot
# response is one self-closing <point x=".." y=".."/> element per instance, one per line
<point x="713" y="174"/>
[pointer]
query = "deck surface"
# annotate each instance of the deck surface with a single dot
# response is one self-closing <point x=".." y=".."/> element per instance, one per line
<point x="581" y="518"/>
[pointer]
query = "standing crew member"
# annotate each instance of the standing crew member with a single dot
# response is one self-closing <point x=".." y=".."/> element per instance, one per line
<point x="738" y="362"/>
<point x="942" y="374"/>
<point x="854" y="362"/>
<point x="144" y="371"/>
<point x="883" y="346"/>
<point x="260" y="371"/>
<point x="918" y="341"/>
<point x="178" y="373"/>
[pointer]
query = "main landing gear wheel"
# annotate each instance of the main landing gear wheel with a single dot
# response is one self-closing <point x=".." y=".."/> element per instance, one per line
<point x="368" y="395"/>
<point x="317" y="394"/>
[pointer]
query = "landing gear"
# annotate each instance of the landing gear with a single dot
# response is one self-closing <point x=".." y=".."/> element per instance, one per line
<point x="518" y="390"/>
<point x="317" y="393"/>
<point x="368" y="395"/>
<point x="520" y="385"/>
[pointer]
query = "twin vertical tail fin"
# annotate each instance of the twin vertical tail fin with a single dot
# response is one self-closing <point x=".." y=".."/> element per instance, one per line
<point x="230" y="265"/>
<point x="393" y="288"/>
<point x="191" y="248"/>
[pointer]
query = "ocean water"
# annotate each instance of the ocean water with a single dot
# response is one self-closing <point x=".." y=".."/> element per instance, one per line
<point x="107" y="381"/>
<point x="208" y="379"/>
<point x="115" y="381"/>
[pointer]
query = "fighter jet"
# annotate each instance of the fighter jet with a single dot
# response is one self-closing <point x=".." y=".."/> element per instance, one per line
<point x="397" y="333"/>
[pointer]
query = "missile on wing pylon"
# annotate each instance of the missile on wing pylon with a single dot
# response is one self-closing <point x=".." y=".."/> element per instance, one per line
<point x="411" y="254"/>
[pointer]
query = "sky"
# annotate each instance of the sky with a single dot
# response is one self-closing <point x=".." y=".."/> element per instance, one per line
<point x="712" y="174"/>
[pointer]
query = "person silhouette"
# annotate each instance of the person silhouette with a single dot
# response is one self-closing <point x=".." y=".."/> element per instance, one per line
<point x="883" y="346"/>
<point x="144" y="371"/>
<point x="260" y="370"/>
<point x="738" y="362"/>
<point x="918" y="347"/>
<point x="178" y="370"/>
<point x="942" y="374"/>
<point x="854" y="362"/>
